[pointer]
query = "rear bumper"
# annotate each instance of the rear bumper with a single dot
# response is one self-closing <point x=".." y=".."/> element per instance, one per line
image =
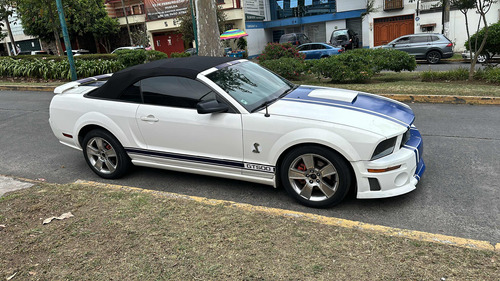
<point x="396" y="182"/>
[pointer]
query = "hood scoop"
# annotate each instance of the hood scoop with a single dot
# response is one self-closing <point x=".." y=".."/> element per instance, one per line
<point x="335" y="95"/>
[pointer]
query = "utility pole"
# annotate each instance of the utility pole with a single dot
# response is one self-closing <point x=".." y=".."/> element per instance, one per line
<point x="67" y="43"/>
<point x="128" y="25"/>
<point x="445" y="17"/>
<point x="193" y="18"/>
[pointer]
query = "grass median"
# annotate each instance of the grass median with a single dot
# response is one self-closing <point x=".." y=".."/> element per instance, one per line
<point x="130" y="235"/>
<point x="410" y="83"/>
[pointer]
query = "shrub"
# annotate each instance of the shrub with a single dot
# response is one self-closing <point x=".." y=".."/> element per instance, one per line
<point x="50" y="69"/>
<point x="489" y="74"/>
<point x="289" y="68"/>
<point x="275" y="51"/>
<point x="131" y="57"/>
<point x="153" y="55"/>
<point x="179" y="55"/>
<point x="492" y="42"/>
<point x="459" y="74"/>
<point x="347" y="67"/>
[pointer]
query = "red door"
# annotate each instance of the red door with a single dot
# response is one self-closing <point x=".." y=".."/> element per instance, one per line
<point x="168" y="43"/>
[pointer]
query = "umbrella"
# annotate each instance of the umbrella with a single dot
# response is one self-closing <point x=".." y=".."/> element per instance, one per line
<point x="233" y="34"/>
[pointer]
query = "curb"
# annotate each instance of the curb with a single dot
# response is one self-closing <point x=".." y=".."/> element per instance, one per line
<point x="445" y="99"/>
<point x="383" y="230"/>
<point x="27" y="88"/>
<point x="473" y="100"/>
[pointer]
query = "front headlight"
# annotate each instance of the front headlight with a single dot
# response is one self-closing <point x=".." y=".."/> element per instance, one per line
<point x="384" y="148"/>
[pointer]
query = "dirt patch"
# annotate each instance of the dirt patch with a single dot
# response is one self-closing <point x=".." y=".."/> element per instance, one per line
<point x="128" y="235"/>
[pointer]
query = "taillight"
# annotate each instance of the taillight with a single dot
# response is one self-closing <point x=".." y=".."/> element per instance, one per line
<point x="449" y="45"/>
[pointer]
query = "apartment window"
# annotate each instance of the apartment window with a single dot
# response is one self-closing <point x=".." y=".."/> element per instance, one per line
<point x="393" y="4"/>
<point x="281" y="9"/>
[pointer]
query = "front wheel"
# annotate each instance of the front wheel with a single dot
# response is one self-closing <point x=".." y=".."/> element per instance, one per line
<point x="433" y="57"/>
<point x="105" y="155"/>
<point x="315" y="176"/>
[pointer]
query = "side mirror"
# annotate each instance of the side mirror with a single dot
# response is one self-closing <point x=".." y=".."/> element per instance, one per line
<point x="393" y="45"/>
<point x="211" y="106"/>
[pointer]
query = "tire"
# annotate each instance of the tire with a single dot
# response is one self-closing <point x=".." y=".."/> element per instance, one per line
<point x="105" y="155"/>
<point x="315" y="176"/>
<point x="482" y="58"/>
<point x="433" y="57"/>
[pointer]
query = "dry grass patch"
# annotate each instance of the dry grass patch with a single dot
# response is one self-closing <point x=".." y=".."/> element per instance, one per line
<point x="128" y="235"/>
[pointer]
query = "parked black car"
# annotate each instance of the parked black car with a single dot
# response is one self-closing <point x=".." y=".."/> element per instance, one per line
<point x="294" y="38"/>
<point x="345" y="38"/>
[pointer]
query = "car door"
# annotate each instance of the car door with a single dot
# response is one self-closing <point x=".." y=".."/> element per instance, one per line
<point x="419" y="45"/>
<point x="402" y="44"/>
<point x="177" y="135"/>
<point x="306" y="49"/>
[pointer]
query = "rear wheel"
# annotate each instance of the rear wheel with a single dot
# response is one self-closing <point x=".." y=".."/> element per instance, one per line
<point x="105" y="155"/>
<point x="433" y="57"/>
<point x="315" y="176"/>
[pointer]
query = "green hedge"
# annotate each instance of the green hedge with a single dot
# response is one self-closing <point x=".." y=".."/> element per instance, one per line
<point x="49" y="69"/>
<point x="138" y="56"/>
<point x="274" y="51"/>
<point x="180" y="55"/>
<point x="352" y="66"/>
<point x="61" y="58"/>
<point x="289" y="68"/>
<point x="489" y="74"/>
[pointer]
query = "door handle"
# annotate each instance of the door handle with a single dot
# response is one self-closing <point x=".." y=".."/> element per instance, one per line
<point x="149" y="118"/>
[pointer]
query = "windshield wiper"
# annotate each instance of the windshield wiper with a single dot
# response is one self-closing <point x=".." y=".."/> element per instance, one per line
<point x="268" y="102"/>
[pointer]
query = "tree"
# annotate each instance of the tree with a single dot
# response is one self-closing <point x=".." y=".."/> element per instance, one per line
<point x="186" y="24"/>
<point x="39" y="18"/>
<point x="6" y="10"/>
<point x="482" y="7"/>
<point x="102" y="29"/>
<point x="492" y="44"/>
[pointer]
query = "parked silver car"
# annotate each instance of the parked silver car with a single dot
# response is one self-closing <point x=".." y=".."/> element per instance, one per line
<point x="482" y="58"/>
<point x="429" y="46"/>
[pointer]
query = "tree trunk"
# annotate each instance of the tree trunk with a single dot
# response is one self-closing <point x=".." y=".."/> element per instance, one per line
<point x="12" y="42"/>
<point x="472" y="69"/>
<point x="208" y="29"/>
<point x="58" y="42"/>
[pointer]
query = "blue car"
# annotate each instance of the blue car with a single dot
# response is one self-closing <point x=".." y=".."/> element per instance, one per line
<point x="318" y="50"/>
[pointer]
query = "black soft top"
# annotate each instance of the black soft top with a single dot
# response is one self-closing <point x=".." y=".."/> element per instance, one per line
<point x="188" y="67"/>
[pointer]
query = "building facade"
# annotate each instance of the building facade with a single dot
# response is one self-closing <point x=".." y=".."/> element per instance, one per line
<point x="376" y="23"/>
<point x="24" y="43"/>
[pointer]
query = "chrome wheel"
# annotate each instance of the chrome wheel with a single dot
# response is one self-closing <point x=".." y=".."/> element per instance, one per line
<point x="313" y="177"/>
<point x="482" y="58"/>
<point x="101" y="155"/>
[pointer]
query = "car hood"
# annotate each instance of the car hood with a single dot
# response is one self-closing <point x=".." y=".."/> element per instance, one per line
<point x="345" y="107"/>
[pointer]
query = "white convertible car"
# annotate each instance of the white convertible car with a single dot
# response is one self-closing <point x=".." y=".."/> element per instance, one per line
<point x="232" y="118"/>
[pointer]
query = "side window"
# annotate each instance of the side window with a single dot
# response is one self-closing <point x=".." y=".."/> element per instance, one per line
<point x="174" y="91"/>
<point x="132" y="93"/>
<point x="404" y="40"/>
<point x="305" y="48"/>
<point x="419" y="39"/>
<point x="435" y="38"/>
<point x="318" y="47"/>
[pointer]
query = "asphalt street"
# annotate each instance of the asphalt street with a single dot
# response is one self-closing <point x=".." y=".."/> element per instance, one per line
<point x="458" y="194"/>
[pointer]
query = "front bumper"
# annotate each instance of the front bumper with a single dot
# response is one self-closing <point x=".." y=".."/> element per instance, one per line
<point x="395" y="182"/>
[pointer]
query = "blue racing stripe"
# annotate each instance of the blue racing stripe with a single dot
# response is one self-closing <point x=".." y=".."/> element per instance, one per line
<point x="369" y="104"/>
<point x="202" y="160"/>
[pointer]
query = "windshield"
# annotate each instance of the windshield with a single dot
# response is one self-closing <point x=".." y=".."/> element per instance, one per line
<point x="340" y="35"/>
<point x="250" y="84"/>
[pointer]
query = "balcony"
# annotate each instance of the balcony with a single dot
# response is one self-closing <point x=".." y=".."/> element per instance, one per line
<point x="393" y="5"/>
